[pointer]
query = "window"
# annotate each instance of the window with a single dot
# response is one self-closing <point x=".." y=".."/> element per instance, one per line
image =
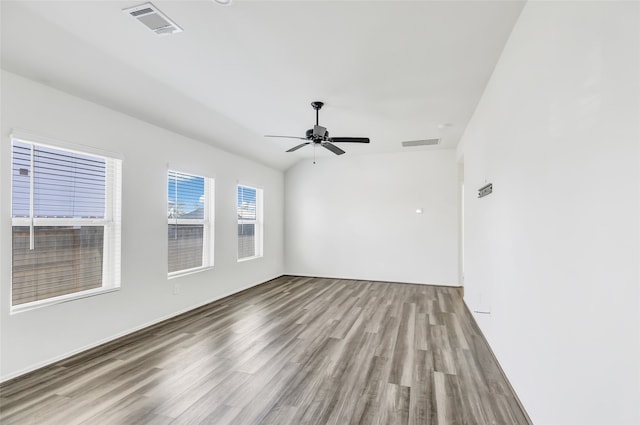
<point x="249" y="222"/>
<point x="65" y="224"/>
<point x="190" y="234"/>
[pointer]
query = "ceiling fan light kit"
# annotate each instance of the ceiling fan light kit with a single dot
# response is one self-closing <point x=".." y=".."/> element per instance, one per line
<point x="318" y="135"/>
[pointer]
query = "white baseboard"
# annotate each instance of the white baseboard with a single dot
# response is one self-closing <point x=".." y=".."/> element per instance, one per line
<point x="456" y="285"/>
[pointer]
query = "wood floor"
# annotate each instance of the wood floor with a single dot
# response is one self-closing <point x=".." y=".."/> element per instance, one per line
<point x="292" y="351"/>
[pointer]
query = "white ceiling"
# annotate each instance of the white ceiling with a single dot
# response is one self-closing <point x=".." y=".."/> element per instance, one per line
<point x="388" y="70"/>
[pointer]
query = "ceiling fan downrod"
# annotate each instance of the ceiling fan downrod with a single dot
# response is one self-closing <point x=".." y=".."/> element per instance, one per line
<point x="317" y="106"/>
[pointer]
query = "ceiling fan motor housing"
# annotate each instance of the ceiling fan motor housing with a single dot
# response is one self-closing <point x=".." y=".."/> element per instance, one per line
<point x="318" y="134"/>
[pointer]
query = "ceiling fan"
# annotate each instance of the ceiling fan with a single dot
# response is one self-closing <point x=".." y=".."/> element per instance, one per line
<point x="319" y="135"/>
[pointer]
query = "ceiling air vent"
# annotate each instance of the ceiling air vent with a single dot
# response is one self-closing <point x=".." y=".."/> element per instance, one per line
<point x="153" y="19"/>
<point x="425" y="142"/>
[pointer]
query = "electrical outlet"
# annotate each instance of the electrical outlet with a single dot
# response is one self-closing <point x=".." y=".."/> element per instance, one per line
<point x="176" y="289"/>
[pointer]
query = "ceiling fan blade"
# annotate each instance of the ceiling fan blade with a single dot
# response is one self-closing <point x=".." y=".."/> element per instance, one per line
<point x="286" y="137"/>
<point x="295" y="148"/>
<point x="332" y="148"/>
<point x="349" y="140"/>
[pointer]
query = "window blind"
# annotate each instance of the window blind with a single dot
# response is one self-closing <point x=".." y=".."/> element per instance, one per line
<point x="249" y="222"/>
<point x="189" y="224"/>
<point x="65" y="222"/>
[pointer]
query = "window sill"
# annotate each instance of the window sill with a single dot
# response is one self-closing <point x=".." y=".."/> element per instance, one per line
<point x="61" y="299"/>
<point x="255" y="257"/>
<point x="187" y="272"/>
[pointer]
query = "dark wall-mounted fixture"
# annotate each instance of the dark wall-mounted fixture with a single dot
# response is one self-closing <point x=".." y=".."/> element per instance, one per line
<point x="485" y="190"/>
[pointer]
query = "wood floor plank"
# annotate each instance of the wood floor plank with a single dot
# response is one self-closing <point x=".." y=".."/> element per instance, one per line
<point x="295" y="350"/>
<point x="421" y="408"/>
<point x="213" y="404"/>
<point x="402" y="360"/>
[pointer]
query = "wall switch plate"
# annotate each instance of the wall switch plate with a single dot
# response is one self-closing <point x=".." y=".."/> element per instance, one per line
<point x="176" y="288"/>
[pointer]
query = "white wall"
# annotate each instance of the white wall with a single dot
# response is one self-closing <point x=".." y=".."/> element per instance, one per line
<point x="33" y="338"/>
<point x="355" y="217"/>
<point x="553" y="253"/>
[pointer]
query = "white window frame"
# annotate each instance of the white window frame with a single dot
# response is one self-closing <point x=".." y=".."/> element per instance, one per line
<point x="111" y="254"/>
<point x="258" y="224"/>
<point x="208" y="227"/>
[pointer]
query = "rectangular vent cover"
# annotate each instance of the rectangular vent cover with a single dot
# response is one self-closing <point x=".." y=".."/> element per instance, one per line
<point x="425" y="142"/>
<point x="153" y="19"/>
